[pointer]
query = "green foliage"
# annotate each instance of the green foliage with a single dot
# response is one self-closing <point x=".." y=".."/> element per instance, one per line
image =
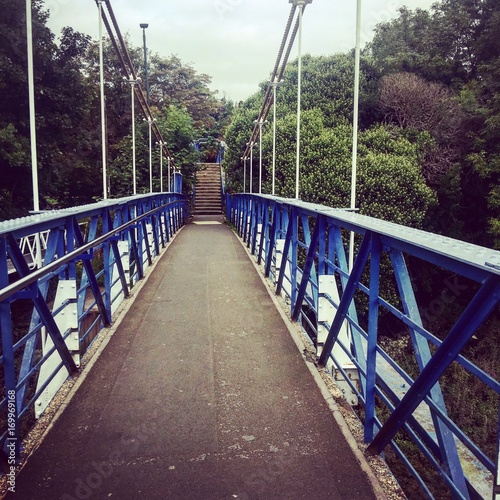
<point x="176" y="126"/>
<point x="68" y="116"/>
<point x="13" y="164"/>
<point x="178" y="84"/>
<point x="455" y="44"/>
<point x="390" y="184"/>
<point x="61" y="103"/>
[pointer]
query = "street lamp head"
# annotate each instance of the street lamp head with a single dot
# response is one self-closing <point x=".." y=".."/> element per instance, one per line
<point x="144" y="25"/>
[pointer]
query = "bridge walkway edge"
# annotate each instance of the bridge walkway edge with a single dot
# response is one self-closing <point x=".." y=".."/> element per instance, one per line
<point x="224" y="407"/>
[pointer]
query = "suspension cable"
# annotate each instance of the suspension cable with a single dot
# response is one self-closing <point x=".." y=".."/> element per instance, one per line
<point x="129" y="72"/>
<point x="269" y="98"/>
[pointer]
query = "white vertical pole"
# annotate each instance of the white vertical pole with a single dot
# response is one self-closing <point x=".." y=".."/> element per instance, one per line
<point x="251" y="167"/>
<point x="300" y="3"/>
<point x="168" y="166"/>
<point x="260" y="156"/>
<point x="355" y="124"/>
<point x="33" y="144"/>
<point x="161" y="167"/>
<point x="103" y="109"/>
<point x="150" y="158"/>
<point x="244" y="174"/>
<point x="134" y="176"/>
<point x="275" y="84"/>
<point x="31" y="94"/>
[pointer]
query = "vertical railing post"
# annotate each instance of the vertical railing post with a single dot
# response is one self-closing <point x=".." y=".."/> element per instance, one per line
<point x="106" y="227"/>
<point x="272" y="239"/>
<point x="294" y="221"/>
<point x="371" y="354"/>
<point x="7" y="340"/>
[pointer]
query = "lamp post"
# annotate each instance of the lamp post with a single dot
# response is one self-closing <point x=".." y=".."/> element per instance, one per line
<point x="144" y="26"/>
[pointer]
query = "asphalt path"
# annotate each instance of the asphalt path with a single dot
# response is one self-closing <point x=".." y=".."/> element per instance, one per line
<point x="201" y="393"/>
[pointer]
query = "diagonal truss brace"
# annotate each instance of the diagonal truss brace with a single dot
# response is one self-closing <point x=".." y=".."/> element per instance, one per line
<point x="474" y="315"/>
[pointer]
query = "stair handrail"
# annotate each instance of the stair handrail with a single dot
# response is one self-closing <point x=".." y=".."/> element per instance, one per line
<point x="222" y="190"/>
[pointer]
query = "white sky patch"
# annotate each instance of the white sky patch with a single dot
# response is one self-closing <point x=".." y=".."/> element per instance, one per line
<point x="234" y="41"/>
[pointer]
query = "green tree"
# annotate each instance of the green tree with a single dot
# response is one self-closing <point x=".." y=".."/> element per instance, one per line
<point x="61" y="106"/>
<point x="455" y="45"/>
<point x="390" y="184"/>
<point x="385" y="156"/>
<point x="172" y="82"/>
<point x="177" y="128"/>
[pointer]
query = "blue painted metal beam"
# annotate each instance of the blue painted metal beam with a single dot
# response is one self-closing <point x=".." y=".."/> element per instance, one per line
<point x="7" y="341"/>
<point x="474" y="315"/>
<point x="347" y="298"/>
<point x="91" y="276"/>
<point x="284" y="257"/>
<point x="371" y="351"/>
<point x="41" y="306"/>
<point x="306" y="273"/>
<point x="423" y="355"/>
<point x="437" y="440"/>
<point x="272" y="242"/>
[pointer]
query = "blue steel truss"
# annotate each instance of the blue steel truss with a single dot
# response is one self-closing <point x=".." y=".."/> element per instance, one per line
<point x="88" y="246"/>
<point x="312" y="245"/>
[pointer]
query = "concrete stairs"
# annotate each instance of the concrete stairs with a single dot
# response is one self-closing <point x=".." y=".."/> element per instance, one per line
<point x="207" y="200"/>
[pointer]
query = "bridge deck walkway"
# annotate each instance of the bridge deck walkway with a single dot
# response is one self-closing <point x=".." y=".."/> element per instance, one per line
<point x="201" y="393"/>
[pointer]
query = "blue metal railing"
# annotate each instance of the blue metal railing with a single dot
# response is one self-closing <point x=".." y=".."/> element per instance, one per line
<point x="222" y="189"/>
<point x="94" y="256"/>
<point x="302" y="248"/>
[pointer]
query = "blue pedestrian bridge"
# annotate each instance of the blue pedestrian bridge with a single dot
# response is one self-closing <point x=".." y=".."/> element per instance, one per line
<point x="197" y="389"/>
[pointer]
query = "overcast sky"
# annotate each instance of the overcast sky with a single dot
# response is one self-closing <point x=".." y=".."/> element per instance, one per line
<point x="234" y="41"/>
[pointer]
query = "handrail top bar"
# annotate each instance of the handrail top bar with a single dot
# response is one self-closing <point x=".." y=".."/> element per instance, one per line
<point x="68" y="257"/>
<point x="477" y="256"/>
<point x="28" y="225"/>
